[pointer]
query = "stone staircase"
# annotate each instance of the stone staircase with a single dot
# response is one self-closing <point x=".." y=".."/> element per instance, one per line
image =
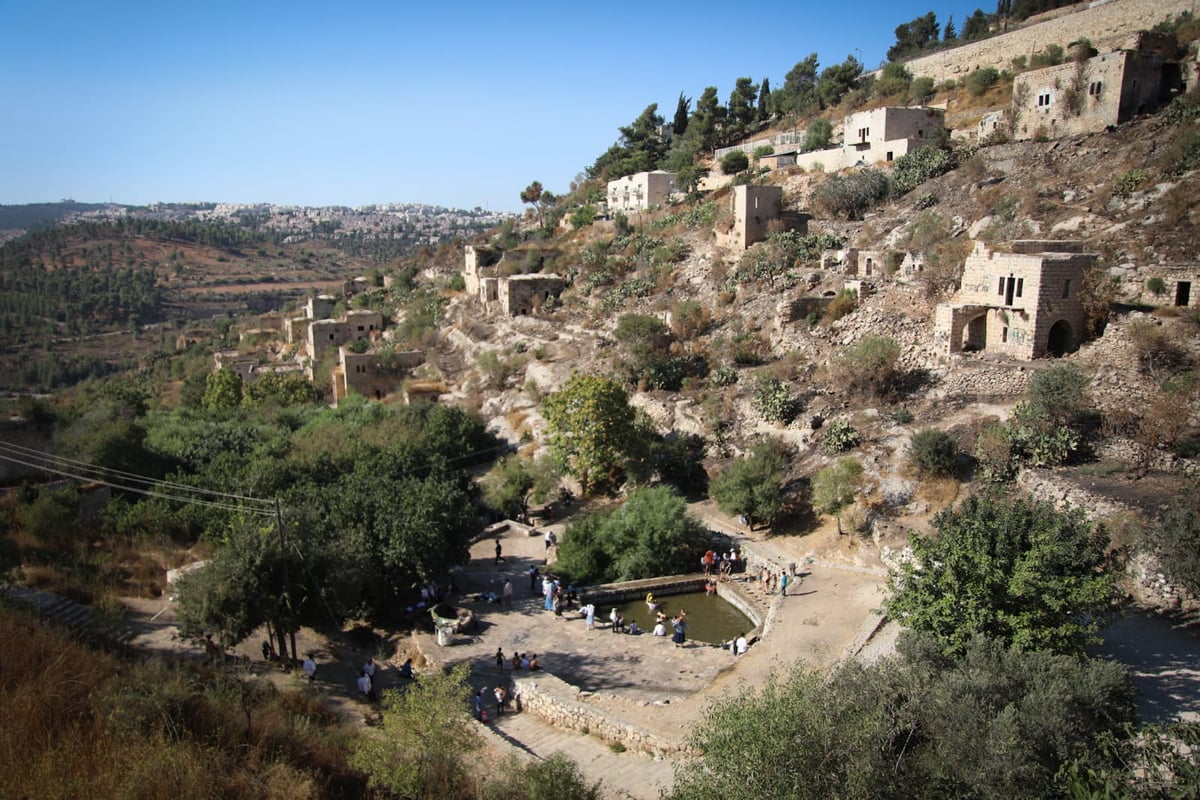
<point x="70" y="614"/>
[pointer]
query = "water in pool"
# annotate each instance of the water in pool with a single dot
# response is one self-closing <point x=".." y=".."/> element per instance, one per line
<point x="709" y="618"/>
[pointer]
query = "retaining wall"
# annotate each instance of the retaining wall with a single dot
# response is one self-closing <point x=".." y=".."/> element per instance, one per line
<point x="1106" y="25"/>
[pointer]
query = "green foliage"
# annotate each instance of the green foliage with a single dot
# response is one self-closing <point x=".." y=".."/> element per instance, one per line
<point x="997" y="723"/>
<point x="893" y="80"/>
<point x="734" y="162"/>
<point x="933" y="452"/>
<point x="837" y="80"/>
<point x="843" y="303"/>
<point x="980" y="80"/>
<point x="1125" y="184"/>
<point x="514" y="481"/>
<point x="798" y="95"/>
<point x="852" y="194"/>
<point x="1009" y="568"/>
<point x="272" y="389"/>
<point x="652" y="533"/>
<point x="839" y="437"/>
<point x="638" y="149"/>
<point x="915" y="168"/>
<point x="427" y="735"/>
<point x="921" y="90"/>
<point x="723" y="376"/>
<point x="223" y="390"/>
<point x="819" y="134"/>
<point x="1184" y="153"/>
<point x="590" y="424"/>
<point x="555" y="777"/>
<point x="1156" y="286"/>
<point x="781" y="253"/>
<point x="750" y="486"/>
<point x="995" y="455"/>
<point x="1049" y="56"/>
<point x="763" y="150"/>
<point x="773" y="400"/>
<point x="1184" y="108"/>
<point x="869" y="367"/>
<point x="834" y="487"/>
<point x="1175" y="541"/>
<point x="914" y="37"/>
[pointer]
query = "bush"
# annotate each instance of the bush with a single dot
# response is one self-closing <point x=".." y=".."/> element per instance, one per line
<point x="933" y="452"/>
<point x="1156" y="286"/>
<point x="1051" y="55"/>
<point x="980" y="80"/>
<point x="851" y="195"/>
<point x="1128" y="182"/>
<point x="818" y="135"/>
<point x="840" y="437"/>
<point x="582" y="217"/>
<point x="773" y="400"/>
<point x="734" y="162"/>
<point x="868" y="367"/>
<point x="763" y="150"/>
<point x="919" y="166"/>
<point x="842" y="304"/>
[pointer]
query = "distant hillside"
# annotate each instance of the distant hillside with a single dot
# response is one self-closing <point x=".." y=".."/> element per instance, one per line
<point x="41" y="215"/>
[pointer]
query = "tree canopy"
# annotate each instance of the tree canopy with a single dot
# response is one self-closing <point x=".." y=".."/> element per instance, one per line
<point x="750" y="486"/>
<point x="997" y="723"/>
<point x="591" y="428"/>
<point x="1010" y="568"/>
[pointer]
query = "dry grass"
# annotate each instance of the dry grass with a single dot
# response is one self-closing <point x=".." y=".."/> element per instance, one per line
<point x="939" y="492"/>
<point x="80" y="723"/>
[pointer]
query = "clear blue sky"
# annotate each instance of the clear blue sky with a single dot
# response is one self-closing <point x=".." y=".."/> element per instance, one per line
<point x="456" y="104"/>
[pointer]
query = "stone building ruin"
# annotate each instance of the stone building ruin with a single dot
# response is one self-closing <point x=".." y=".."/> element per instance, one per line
<point x="1025" y="303"/>
<point x="1087" y="95"/>
<point x="511" y="295"/>
<point x="754" y="209"/>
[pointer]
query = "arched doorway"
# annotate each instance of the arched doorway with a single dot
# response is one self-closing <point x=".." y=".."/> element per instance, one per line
<point x="1061" y="339"/>
<point x="975" y="334"/>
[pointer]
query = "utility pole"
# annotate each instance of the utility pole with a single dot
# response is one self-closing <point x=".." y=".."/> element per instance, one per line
<point x="287" y="583"/>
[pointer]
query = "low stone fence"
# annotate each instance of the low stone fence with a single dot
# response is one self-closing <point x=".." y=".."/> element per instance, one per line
<point x="557" y="702"/>
<point x="610" y="593"/>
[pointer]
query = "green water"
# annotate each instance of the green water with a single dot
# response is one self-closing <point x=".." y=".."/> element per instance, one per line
<point x="709" y="618"/>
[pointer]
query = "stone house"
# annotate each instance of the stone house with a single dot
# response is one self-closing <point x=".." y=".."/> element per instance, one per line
<point x="754" y="209"/>
<point x="1025" y="303"/>
<point x="321" y="306"/>
<point x="1091" y="94"/>
<point x="372" y="375"/>
<point x="326" y="334"/>
<point x="885" y="134"/>
<point x="522" y="295"/>
<point x="1182" y="285"/>
<point x="640" y="191"/>
<point x="879" y="135"/>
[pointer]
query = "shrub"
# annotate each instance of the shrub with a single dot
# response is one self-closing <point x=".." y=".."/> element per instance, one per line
<point x="1049" y="56"/>
<point x="927" y="200"/>
<point x="980" y="80"/>
<point x="994" y="454"/>
<point x="773" y="400"/>
<point x="1128" y="182"/>
<point x="763" y="150"/>
<point x="852" y="195"/>
<point x="902" y="416"/>
<point x="1156" y="286"/>
<point x="818" y="135"/>
<point x="842" y="304"/>
<point x="582" y="217"/>
<point x="723" y="376"/>
<point x="840" y="437"/>
<point x="920" y="90"/>
<point x="869" y="367"/>
<point x="915" y="168"/>
<point x="734" y="162"/>
<point x="933" y="452"/>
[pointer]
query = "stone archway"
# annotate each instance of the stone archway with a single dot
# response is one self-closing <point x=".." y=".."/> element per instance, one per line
<point x="1061" y="339"/>
<point x="975" y="334"/>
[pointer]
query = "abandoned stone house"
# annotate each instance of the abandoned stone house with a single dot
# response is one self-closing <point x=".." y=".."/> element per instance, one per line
<point x="1025" y="303"/>
<point x="1091" y="94"/>
<point x="754" y="209"/>
<point x="326" y="334"/>
<point x="511" y="295"/>
<point x="1180" y="285"/>
<point x="640" y="191"/>
<point x="321" y="306"/>
<point x="879" y="135"/>
<point x="372" y="375"/>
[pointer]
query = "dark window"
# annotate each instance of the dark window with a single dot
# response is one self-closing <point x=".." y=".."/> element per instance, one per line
<point x="1001" y="290"/>
<point x="1004" y="334"/>
<point x="1020" y="286"/>
<point x="1067" y="288"/>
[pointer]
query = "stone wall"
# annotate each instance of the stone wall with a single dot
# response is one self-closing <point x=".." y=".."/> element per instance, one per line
<point x="561" y="705"/>
<point x="1107" y="26"/>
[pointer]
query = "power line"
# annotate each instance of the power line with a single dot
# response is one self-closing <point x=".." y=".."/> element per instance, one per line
<point x="265" y="512"/>
<point x="30" y="452"/>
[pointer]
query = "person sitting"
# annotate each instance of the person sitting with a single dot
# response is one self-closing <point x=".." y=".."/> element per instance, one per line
<point x="742" y="645"/>
<point x="310" y="666"/>
<point x="634" y="630"/>
<point x="533" y="663"/>
<point x="525" y="662"/>
<point x="516" y="661"/>
<point x="406" y="670"/>
<point x="660" y="628"/>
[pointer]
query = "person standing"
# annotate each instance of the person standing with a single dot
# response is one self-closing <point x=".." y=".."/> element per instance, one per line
<point x="533" y="576"/>
<point x="501" y="699"/>
<point x="783" y="584"/>
<point x="506" y="594"/>
<point x="499" y="660"/>
<point x="499" y="550"/>
<point x="310" y="666"/>
<point x="680" y="637"/>
<point x="589" y="613"/>
<point x="365" y="688"/>
<point x="477" y="704"/>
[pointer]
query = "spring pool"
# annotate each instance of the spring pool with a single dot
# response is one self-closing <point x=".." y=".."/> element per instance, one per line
<point x="709" y="617"/>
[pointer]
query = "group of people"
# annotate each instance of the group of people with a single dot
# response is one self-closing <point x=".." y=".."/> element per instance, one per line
<point x="555" y="596"/>
<point x="771" y="580"/>
<point x="503" y="700"/>
<point x="520" y="661"/>
<point x="722" y="564"/>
